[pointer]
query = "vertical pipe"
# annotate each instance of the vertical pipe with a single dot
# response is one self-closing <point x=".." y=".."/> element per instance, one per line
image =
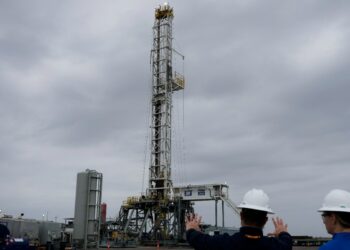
<point x="216" y="213"/>
<point x="179" y="220"/>
<point x="88" y="176"/>
<point x="223" y="214"/>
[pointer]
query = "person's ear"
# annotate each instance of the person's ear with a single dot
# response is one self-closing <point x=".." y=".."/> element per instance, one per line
<point x="242" y="219"/>
<point x="333" y="218"/>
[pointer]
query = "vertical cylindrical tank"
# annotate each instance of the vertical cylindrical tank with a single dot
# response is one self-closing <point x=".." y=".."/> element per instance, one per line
<point x="87" y="212"/>
<point x="103" y="212"/>
<point x="81" y="198"/>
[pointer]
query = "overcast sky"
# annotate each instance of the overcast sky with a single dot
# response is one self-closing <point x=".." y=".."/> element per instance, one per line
<point x="266" y="103"/>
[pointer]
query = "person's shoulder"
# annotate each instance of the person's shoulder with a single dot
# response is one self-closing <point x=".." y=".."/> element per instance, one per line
<point x="191" y="233"/>
<point x="285" y="241"/>
<point x="335" y="244"/>
<point x="326" y="246"/>
<point x="284" y="235"/>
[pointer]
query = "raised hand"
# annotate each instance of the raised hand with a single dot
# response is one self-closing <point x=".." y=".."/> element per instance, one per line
<point x="193" y="221"/>
<point x="279" y="227"/>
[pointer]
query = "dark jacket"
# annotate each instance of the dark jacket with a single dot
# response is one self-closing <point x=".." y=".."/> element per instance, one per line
<point x="248" y="238"/>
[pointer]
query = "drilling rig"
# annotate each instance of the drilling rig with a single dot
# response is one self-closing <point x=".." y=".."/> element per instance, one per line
<point x="159" y="215"/>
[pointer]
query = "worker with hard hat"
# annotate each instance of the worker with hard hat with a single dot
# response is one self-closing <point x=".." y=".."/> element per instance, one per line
<point x="254" y="210"/>
<point x="336" y="218"/>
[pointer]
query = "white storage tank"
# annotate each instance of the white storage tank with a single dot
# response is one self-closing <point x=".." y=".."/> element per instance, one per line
<point x="87" y="209"/>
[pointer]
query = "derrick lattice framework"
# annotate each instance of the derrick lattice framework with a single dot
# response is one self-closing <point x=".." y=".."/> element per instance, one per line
<point x="161" y="58"/>
<point x="158" y="215"/>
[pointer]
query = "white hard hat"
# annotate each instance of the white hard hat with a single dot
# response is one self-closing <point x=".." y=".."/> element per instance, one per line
<point x="336" y="200"/>
<point x="256" y="199"/>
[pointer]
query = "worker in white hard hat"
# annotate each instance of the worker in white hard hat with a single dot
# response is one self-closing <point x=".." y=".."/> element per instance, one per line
<point x="336" y="218"/>
<point x="254" y="211"/>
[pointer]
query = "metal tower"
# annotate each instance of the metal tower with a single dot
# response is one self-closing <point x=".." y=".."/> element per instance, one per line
<point x="158" y="215"/>
<point x="163" y="85"/>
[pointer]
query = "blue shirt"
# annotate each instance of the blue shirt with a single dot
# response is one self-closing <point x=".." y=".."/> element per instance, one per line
<point x="340" y="241"/>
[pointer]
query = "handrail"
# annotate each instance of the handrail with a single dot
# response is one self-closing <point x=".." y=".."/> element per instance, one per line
<point x="231" y="204"/>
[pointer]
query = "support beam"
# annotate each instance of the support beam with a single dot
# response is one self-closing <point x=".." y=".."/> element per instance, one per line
<point x="223" y="213"/>
<point x="216" y="213"/>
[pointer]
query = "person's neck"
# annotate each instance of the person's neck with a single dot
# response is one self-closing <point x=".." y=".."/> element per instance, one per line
<point x="340" y="229"/>
<point x="250" y="225"/>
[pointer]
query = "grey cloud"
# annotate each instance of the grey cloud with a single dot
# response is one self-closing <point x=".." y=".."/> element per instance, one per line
<point x="265" y="101"/>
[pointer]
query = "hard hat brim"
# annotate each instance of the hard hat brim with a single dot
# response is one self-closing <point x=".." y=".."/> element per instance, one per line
<point x="253" y="207"/>
<point x="334" y="209"/>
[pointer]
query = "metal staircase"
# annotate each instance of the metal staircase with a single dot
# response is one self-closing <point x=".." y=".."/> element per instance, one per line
<point x="230" y="204"/>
